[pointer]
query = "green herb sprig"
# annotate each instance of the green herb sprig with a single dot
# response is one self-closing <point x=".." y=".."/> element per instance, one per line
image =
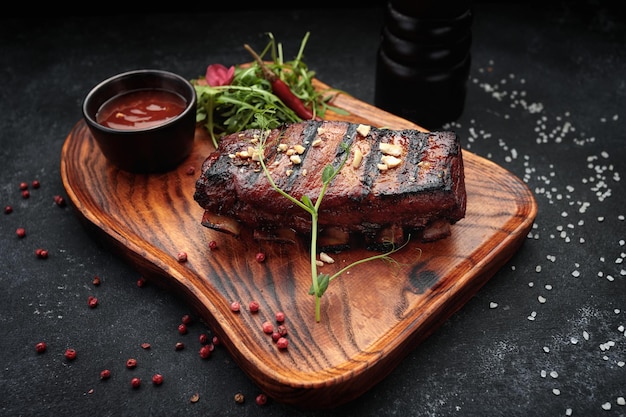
<point x="320" y="281"/>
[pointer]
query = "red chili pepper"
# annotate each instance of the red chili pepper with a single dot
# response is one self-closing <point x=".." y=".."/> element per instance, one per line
<point x="282" y="90"/>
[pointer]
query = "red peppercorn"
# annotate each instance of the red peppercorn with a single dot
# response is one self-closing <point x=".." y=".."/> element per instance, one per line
<point x="8" y="210"/>
<point x="40" y="347"/>
<point x="186" y="319"/>
<point x="25" y="194"/>
<point x="215" y="341"/>
<point x="70" y="354"/>
<point x="131" y="363"/>
<point x="282" y="343"/>
<point x="212" y="245"/>
<point x="254" y="306"/>
<point x="235" y="306"/>
<point x="157" y="379"/>
<point x="23" y="186"/>
<point x="141" y="282"/>
<point x="182" y="256"/>
<point x="96" y="281"/>
<point x="21" y="232"/>
<point x="59" y="201"/>
<point x="92" y="301"/>
<point x="205" y="351"/>
<point x="268" y="327"/>
<point x="179" y="346"/>
<point x="260" y="257"/>
<point x="41" y="253"/>
<point x="182" y="328"/>
<point x="135" y="382"/>
<point x="203" y="338"/>
<point x="280" y="317"/>
<point x="105" y="374"/>
<point x="261" y="399"/>
<point x="36" y="184"/>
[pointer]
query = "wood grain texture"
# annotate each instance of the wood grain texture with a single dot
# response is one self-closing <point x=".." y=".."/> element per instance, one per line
<point x="371" y="317"/>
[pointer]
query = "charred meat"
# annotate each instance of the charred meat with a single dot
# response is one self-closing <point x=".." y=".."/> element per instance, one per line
<point x="393" y="182"/>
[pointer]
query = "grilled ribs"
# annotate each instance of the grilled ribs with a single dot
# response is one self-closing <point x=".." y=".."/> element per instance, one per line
<point x="393" y="182"/>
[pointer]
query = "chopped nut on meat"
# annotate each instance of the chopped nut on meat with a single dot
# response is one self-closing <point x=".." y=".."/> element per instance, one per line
<point x="390" y="149"/>
<point x="295" y="159"/>
<point x="317" y="142"/>
<point x="299" y="149"/>
<point x="325" y="258"/>
<point x="282" y="147"/>
<point x="382" y="167"/>
<point x="358" y="157"/>
<point x="390" y="161"/>
<point x="363" y="130"/>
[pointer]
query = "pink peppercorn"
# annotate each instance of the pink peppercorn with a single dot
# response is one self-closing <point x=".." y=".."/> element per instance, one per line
<point x="70" y="354"/>
<point x="212" y="245"/>
<point x="25" y="194"/>
<point x="92" y="301"/>
<point x="179" y="346"/>
<point x="182" y="256"/>
<point x="36" y="184"/>
<point x="282" y="343"/>
<point x="260" y="257"/>
<point x="205" y="351"/>
<point x="215" y="341"/>
<point x="254" y="306"/>
<point x="141" y="282"/>
<point x="275" y="336"/>
<point x="59" y="201"/>
<point x="268" y="327"/>
<point x="203" y="338"/>
<point x="40" y="347"/>
<point x="235" y="306"/>
<point x="280" y="317"/>
<point x="23" y="186"/>
<point x="261" y="399"/>
<point x="157" y="379"/>
<point x="8" y="210"/>
<point x="105" y="374"/>
<point x="282" y="329"/>
<point x="135" y="382"/>
<point x="21" y="232"/>
<point x="182" y="328"/>
<point x="96" y="281"/>
<point x="131" y="363"/>
<point x="41" y="253"/>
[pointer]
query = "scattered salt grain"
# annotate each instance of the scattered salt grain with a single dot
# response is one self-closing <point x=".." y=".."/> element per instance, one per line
<point x="576" y="273"/>
<point x="586" y="335"/>
<point x="556" y="391"/>
<point x="493" y="305"/>
<point x="541" y="299"/>
<point x="606" y="406"/>
<point x="620" y="401"/>
<point x="546" y="349"/>
<point x="573" y="340"/>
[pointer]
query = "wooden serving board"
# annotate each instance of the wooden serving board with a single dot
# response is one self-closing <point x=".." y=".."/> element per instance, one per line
<point x="371" y="317"/>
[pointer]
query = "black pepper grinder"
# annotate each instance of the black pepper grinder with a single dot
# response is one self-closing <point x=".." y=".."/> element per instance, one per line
<point x="423" y="60"/>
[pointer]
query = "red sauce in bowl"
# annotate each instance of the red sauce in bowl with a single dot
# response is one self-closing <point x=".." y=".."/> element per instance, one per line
<point x="140" y="109"/>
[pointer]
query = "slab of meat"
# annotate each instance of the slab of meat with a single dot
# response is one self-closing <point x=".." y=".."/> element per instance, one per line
<point x="393" y="182"/>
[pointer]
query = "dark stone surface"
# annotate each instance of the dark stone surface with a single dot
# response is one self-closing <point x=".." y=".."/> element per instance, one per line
<point x="546" y="100"/>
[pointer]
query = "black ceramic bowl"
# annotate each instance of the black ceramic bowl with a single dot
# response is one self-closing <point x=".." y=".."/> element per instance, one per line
<point x="143" y="148"/>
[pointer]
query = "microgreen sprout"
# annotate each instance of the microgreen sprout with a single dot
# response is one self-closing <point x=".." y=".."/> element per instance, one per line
<point x="320" y="281"/>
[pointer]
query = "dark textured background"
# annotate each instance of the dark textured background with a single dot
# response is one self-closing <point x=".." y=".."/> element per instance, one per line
<point x="546" y="100"/>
